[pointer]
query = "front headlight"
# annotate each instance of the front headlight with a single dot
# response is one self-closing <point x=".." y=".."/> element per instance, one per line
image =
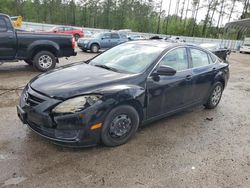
<point x="76" y="104"/>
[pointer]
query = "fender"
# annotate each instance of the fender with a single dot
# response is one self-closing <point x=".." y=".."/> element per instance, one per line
<point x="124" y="94"/>
<point x="42" y="44"/>
<point x="93" y="42"/>
<point x="222" y="75"/>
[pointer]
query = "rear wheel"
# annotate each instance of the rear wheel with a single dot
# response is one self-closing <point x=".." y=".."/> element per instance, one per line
<point x="44" y="61"/>
<point x="215" y="96"/>
<point x="76" y="36"/>
<point x="94" y="48"/>
<point x="120" y="125"/>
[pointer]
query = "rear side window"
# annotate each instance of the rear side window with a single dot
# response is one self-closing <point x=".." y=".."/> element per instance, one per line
<point x="123" y="36"/>
<point x="68" y="28"/>
<point x="115" y="36"/>
<point x="60" y="29"/>
<point x="199" y="58"/>
<point x="213" y="57"/>
<point x="3" y="25"/>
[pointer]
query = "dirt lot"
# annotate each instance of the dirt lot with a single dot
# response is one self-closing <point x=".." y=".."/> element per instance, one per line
<point x="196" y="148"/>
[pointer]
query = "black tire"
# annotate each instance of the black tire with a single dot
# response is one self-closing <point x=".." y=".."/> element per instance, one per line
<point x="129" y="116"/>
<point x="94" y="48"/>
<point x="214" y="100"/>
<point x="84" y="50"/>
<point x="28" y="61"/>
<point x="44" y="65"/>
<point x="76" y="36"/>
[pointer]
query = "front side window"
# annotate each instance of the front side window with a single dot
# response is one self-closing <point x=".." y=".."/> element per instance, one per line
<point x="177" y="59"/>
<point x="199" y="58"/>
<point x="3" y="25"/>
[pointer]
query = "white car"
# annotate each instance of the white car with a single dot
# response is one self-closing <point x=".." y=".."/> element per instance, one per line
<point x="245" y="48"/>
<point x="136" y="37"/>
<point x="88" y="34"/>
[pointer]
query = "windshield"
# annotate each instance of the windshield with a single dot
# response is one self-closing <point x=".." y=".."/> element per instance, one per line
<point x="128" y="58"/>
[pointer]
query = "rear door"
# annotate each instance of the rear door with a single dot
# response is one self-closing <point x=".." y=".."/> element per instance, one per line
<point x="115" y="39"/>
<point x="203" y="71"/>
<point x="106" y="40"/>
<point x="59" y="30"/>
<point x="68" y="30"/>
<point x="8" y="42"/>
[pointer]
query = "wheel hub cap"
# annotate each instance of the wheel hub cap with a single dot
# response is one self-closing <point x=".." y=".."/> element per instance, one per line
<point x="120" y="126"/>
<point x="45" y="61"/>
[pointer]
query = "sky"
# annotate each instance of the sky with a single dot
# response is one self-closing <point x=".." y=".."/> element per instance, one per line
<point x="202" y="12"/>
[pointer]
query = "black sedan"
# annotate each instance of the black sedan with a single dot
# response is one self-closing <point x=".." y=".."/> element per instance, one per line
<point x="106" y="99"/>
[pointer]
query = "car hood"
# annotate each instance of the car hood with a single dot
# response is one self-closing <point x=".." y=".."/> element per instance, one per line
<point x="75" y="80"/>
<point x="86" y="39"/>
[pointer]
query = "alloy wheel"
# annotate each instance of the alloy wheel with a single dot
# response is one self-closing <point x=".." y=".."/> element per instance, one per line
<point x="216" y="95"/>
<point x="45" y="61"/>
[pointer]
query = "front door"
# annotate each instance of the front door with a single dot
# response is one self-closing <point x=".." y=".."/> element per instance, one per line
<point x="169" y="93"/>
<point x="7" y="39"/>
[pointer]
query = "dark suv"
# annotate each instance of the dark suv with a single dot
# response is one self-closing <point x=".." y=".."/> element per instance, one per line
<point x="99" y="41"/>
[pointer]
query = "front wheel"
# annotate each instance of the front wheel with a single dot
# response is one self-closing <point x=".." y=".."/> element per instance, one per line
<point x="44" y="61"/>
<point x="120" y="125"/>
<point x="94" y="48"/>
<point x="215" y="96"/>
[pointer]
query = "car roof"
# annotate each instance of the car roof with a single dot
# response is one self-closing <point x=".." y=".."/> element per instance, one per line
<point x="166" y="45"/>
<point x="157" y="43"/>
<point x="1" y="14"/>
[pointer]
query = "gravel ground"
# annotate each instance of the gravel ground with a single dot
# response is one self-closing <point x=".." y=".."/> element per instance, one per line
<point x="195" y="148"/>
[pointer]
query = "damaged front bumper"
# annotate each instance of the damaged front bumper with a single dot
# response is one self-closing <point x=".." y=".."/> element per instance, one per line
<point x="69" y="130"/>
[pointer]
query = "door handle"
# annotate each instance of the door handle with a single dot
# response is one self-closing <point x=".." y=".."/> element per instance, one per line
<point x="10" y="37"/>
<point x="188" y="77"/>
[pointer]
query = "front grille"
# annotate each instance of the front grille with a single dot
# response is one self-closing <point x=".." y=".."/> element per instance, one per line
<point x="33" y="100"/>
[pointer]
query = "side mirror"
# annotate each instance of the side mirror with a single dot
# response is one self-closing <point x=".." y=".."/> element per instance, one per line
<point x="165" y="70"/>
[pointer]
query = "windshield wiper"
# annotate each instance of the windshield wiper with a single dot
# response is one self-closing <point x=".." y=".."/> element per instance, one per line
<point x="107" y="67"/>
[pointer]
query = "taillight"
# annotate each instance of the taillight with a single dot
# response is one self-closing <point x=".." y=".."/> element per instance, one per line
<point x="73" y="42"/>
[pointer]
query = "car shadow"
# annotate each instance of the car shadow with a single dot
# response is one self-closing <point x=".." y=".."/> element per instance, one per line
<point x="146" y="129"/>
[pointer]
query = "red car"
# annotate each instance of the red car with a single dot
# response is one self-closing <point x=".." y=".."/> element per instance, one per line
<point x="77" y="33"/>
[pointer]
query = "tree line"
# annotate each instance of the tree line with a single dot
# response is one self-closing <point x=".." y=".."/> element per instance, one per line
<point x="138" y="15"/>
